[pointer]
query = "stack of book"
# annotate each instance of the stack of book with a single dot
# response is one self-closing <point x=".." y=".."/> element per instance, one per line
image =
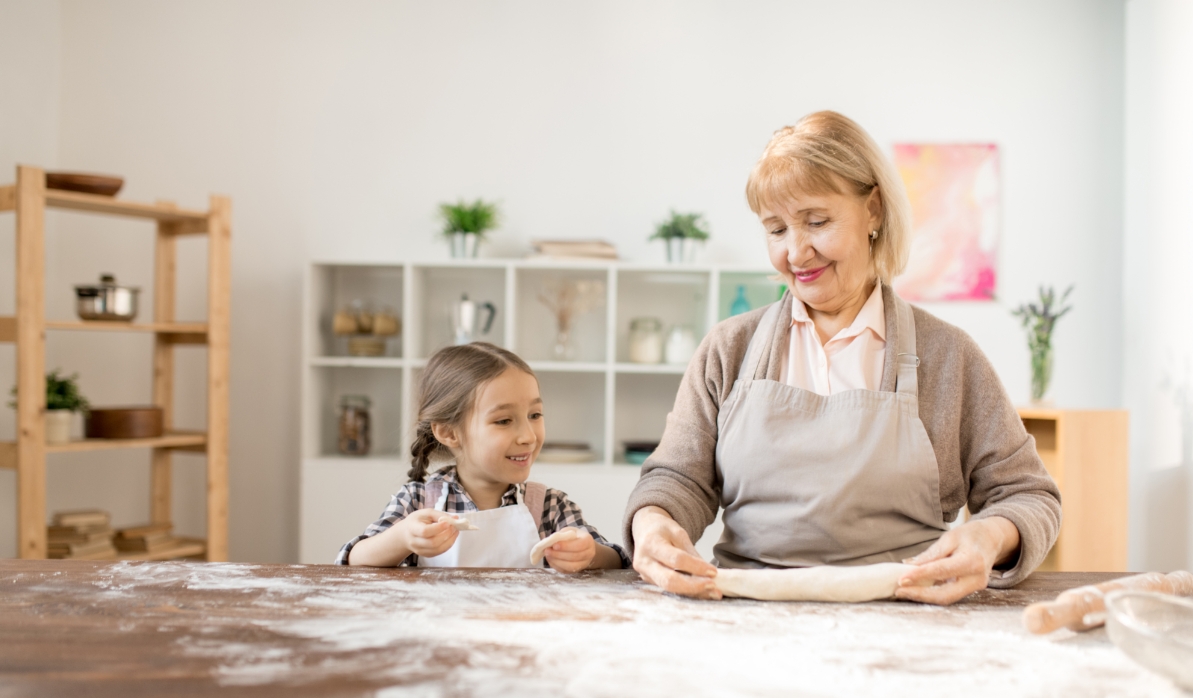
<point x="80" y="535"/>
<point x="573" y="249"/>
<point x="150" y="538"/>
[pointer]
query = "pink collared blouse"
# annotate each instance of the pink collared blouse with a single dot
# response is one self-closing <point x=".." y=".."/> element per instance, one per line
<point x="851" y="360"/>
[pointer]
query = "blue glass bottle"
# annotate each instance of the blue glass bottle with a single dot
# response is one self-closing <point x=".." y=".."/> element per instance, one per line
<point x="740" y="304"/>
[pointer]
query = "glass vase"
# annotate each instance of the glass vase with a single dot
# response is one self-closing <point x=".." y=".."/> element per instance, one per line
<point x="565" y="348"/>
<point x="1041" y="372"/>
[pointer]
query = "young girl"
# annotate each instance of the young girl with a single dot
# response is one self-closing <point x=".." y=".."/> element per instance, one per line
<point x="481" y="404"/>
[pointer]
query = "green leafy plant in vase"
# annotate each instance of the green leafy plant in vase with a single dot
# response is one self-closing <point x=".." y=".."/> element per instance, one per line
<point x="1039" y="319"/>
<point x="681" y="231"/>
<point x="465" y="225"/>
<point x="63" y="399"/>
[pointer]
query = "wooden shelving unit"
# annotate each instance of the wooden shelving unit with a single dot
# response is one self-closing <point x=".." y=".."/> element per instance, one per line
<point x="1085" y="451"/>
<point x="29" y="198"/>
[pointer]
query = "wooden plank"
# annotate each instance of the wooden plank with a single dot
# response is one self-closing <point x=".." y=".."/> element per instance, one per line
<point x="105" y="204"/>
<point x="8" y="197"/>
<point x="187" y="547"/>
<point x="161" y="473"/>
<point x="8" y="329"/>
<point x="1094" y="497"/>
<point x="8" y="455"/>
<point x="31" y="363"/>
<point x="184" y="328"/>
<point x="219" y="323"/>
<point x="178" y="439"/>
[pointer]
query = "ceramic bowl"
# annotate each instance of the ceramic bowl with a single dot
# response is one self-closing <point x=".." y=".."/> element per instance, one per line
<point x="1155" y="630"/>
<point x="102" y="185"/>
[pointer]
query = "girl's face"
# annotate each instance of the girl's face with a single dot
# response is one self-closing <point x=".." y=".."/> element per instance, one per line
<point x="821" y="246"/>
<point x="504" y="433"/>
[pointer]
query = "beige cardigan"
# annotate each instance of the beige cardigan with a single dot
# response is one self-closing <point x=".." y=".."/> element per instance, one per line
<point x="986" y="458"/>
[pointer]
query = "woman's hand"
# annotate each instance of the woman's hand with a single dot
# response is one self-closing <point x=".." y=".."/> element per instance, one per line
<point x="423" y="534"/>
<point x="572" y="555"/>
<point x="664" y="556"/>
<point x="959" y="562"/>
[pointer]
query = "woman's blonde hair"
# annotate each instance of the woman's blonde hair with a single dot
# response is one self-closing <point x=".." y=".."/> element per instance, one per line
<point x="823" y="153"/>
<point x="447" y="392"/>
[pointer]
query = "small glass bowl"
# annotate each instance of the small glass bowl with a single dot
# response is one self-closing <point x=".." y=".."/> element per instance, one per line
<point x="1155" y="630"/>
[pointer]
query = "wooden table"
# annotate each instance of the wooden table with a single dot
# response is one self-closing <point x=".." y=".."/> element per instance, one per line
<point x="189" y="629"/>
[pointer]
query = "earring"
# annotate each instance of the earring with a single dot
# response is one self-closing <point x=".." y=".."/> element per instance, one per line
<point x="873" y="237"/>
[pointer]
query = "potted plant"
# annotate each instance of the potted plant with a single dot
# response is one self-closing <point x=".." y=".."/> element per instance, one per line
<point x="1040" y="321"/>
<point x="677" y="230"/>
<point x="63" y="399"/>
<point x="465" y="225"/>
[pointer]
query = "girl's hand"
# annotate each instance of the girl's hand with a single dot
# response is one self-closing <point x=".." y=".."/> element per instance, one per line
<point x="959" y="562"/>
<point x="664" y="556"/>
<point x="423" y="535"/>
<point x="572" y="555"/>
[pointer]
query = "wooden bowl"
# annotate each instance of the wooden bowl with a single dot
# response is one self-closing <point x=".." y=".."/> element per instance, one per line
<point x="103" y="185"/>
<point x="124" y="423"/>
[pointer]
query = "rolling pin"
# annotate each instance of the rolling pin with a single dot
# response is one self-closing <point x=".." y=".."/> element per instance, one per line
<point x="1084" y="608"/>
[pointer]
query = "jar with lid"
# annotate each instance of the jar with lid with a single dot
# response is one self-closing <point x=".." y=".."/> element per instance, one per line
<point x="355" y="428"/>
<point x="646" y="340"/>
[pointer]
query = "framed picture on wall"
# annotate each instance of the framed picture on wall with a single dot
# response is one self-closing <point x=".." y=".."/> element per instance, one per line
<point x="956" y="209"/>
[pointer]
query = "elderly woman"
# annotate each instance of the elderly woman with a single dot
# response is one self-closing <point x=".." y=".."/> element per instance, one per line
<point x="840" y="425"/>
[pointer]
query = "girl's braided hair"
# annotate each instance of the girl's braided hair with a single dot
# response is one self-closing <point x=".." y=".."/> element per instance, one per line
<point x="447" y="391"/>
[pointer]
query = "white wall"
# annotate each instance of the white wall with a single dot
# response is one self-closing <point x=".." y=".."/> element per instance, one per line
<point x="1158" y="254"/>
<point x="337" y="128"/>
<point x="30" y="72"/>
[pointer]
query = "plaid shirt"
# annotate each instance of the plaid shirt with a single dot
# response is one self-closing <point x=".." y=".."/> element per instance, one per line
<point x="558" y="512"/>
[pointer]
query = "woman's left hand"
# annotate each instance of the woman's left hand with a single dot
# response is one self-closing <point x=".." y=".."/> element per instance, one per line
<point x="572" y="555"/>
<point x="959" y="562"/>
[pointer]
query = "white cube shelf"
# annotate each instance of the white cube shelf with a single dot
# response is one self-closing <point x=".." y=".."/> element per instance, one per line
<point x="600" y="397"/>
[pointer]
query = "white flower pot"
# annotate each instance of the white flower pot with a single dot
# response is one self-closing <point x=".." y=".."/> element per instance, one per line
<point x="58" y="424"/>
<point x="464" y="245"/>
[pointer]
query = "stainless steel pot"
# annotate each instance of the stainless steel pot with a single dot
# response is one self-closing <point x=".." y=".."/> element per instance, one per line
<point x="106" y="301"/>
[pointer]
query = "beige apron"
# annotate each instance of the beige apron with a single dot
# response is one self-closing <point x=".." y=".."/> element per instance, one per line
<point x="808" y="479"/>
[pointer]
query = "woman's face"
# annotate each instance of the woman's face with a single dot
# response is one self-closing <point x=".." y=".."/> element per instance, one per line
<point x="820" y="243"/>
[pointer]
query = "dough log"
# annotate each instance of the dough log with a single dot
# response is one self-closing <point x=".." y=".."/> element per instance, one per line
<point x="540" y="548"/>
<point x="825" y="583"/>
<point x="459" y="523"/>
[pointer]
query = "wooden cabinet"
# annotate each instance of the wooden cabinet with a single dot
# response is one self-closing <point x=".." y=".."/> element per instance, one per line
<point x="29" y="198"/>
<point x="1086" y="453"/>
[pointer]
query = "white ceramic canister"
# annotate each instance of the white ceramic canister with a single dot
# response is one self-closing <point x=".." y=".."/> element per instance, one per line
<point x="681" y="344"/>
<point x="646" y="340"/>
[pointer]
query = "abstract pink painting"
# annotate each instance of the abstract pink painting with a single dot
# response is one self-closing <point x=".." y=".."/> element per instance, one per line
<point x="954" y="191"/>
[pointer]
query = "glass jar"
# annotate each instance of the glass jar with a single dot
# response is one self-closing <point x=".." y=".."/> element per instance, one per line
<point x="646" y="340"/>
<point x="355" y="428"/>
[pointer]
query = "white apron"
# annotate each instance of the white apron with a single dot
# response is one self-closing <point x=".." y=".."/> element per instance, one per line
<point x="808" y="479"/>
<point x="506" y="535"/>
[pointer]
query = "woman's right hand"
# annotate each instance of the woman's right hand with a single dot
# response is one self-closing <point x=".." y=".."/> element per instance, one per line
<point x="425" y="536"/>
<point x="664" y="556"/>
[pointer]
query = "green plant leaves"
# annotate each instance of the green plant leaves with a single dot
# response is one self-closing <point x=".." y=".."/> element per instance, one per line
<point x="463" y="217"/>
<point x="682" y="225"/>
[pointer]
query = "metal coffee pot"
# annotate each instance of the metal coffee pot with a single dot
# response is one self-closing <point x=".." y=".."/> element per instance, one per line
<point x="465" y="316"/>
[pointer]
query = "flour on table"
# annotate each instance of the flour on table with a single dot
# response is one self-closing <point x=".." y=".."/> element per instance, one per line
<point x="825" y="583"/>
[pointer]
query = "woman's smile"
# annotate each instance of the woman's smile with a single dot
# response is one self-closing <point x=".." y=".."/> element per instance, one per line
<point x="810" y="275"/>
